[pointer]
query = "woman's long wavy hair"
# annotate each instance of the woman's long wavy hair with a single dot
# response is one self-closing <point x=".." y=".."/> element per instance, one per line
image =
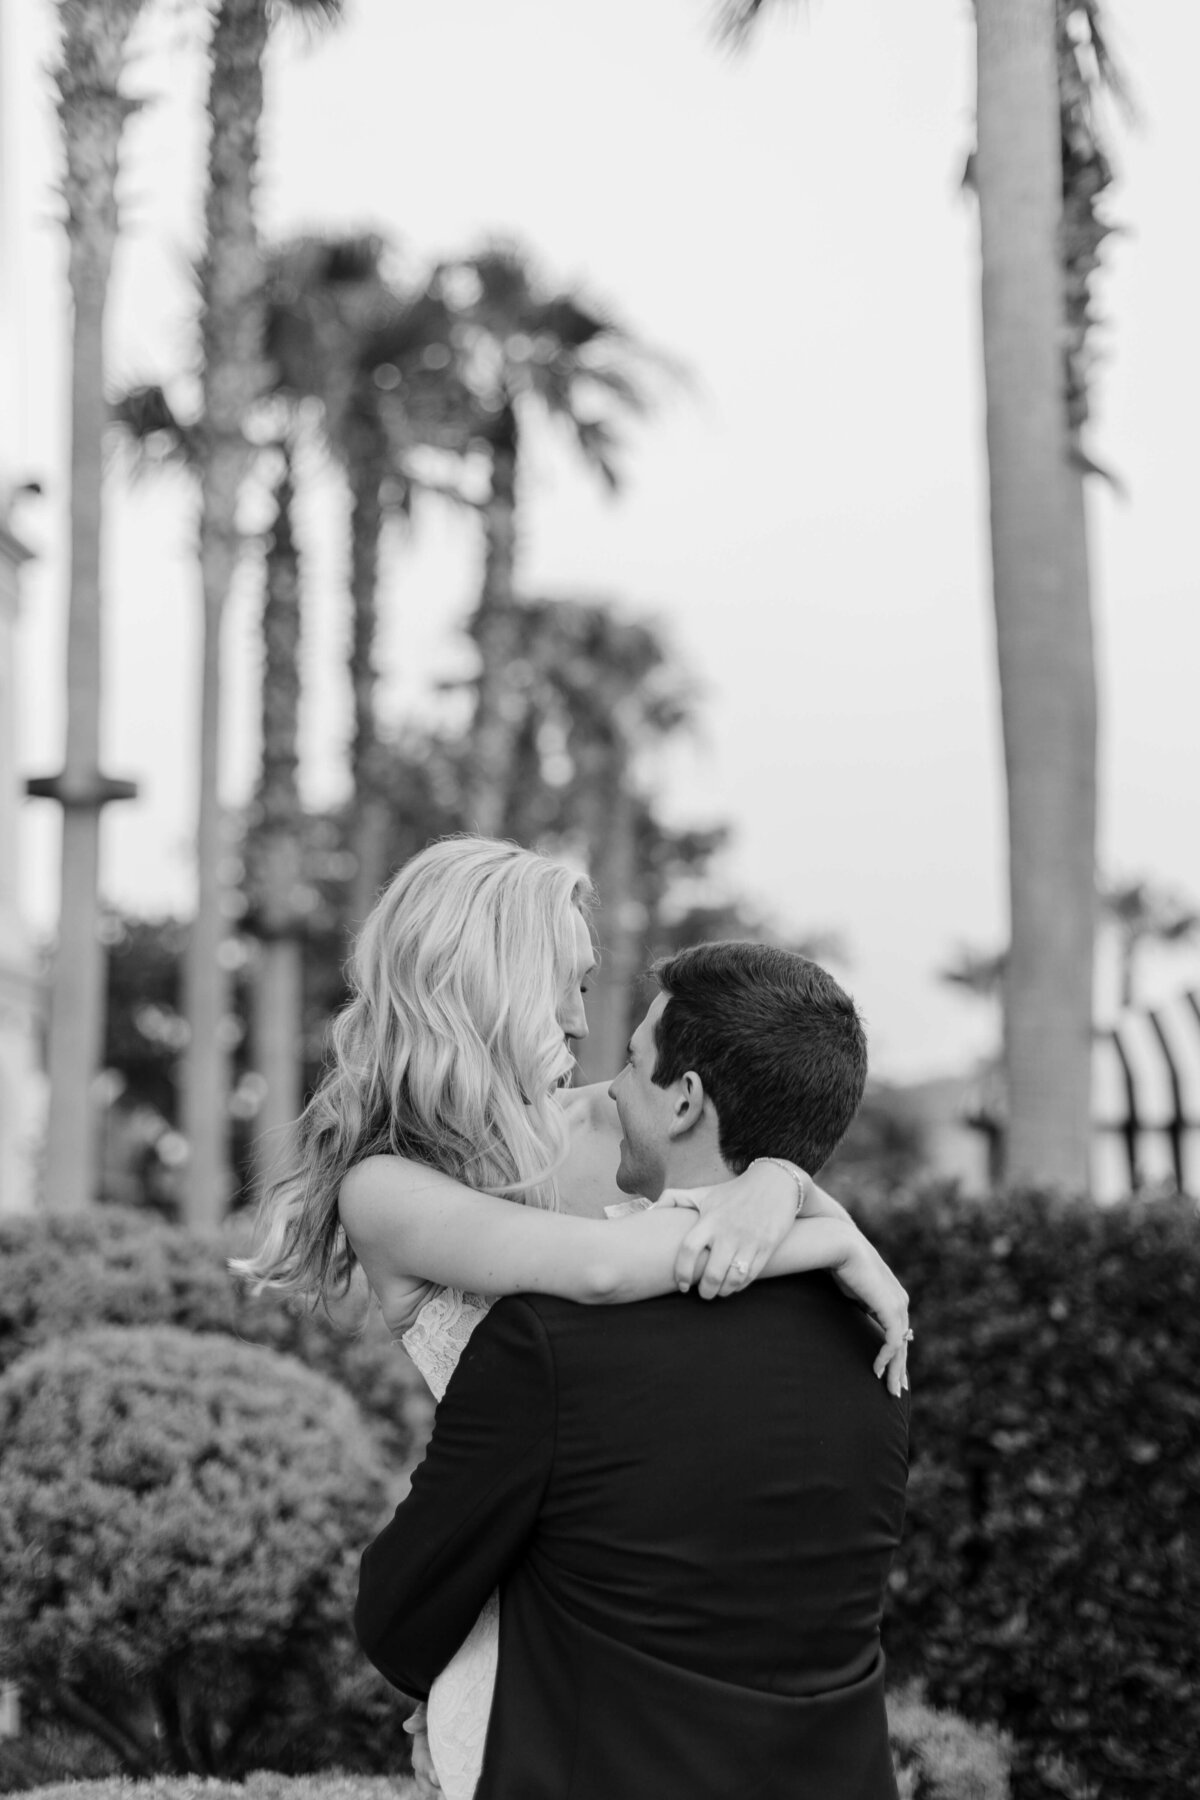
<point x="449" y="1050"/>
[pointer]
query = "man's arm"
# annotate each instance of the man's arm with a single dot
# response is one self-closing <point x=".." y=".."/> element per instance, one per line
<point x="473" y="1504"/>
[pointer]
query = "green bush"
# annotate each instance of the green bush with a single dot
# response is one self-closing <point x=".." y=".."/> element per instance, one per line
<point x="1049" y="1578"/>
<point x="180" y="1517"/>
<point x="117" y="1266"/>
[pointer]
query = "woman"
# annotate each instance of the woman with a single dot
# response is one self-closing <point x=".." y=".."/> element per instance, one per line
<point x="445" y="1093"/>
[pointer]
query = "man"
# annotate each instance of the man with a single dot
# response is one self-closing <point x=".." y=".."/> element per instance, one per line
<point x="690" y="1510"/>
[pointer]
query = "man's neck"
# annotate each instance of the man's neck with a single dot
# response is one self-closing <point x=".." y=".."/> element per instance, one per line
<point x="702" y="1169"/>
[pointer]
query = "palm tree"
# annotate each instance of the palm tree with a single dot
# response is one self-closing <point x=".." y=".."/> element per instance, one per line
<point x="379" y="362"/>
<point x="1145" y="913"/>
<point x="524" y="347"/>
<point x="331" y="324"/>
<point x="1039" y="557"/>
<point x="233" y="378"/>
<point x="597" y="692"/>
<point x="155" y="439"/>
<point x="92" y="112"/>
<point x="274" y="838"/>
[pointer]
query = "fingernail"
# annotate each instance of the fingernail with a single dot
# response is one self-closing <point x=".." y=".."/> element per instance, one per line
<point x="683" y="1287"/>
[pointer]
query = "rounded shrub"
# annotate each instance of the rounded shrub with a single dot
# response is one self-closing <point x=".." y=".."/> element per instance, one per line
<point x="119" y="1266"/>
<point x="180" y="1522"/>
<point x="110" y="1266"/>
<point x="1049" y="1575"/>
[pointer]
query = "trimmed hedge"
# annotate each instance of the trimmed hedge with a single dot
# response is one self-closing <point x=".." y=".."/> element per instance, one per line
<point x="179" y="1522"/>
<point x="109" y="1266"/>
<point x="117" y="1266"/>
<point x="938" y="1757"/>
<point x="1049" y="1577"/>
<point x="263" y="1785"/>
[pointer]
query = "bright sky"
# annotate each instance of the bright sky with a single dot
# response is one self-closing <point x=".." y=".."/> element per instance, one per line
<point x="809" y="526"/>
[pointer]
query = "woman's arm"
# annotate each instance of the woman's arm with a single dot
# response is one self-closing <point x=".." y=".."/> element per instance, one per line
<point x="408" y="1222"/>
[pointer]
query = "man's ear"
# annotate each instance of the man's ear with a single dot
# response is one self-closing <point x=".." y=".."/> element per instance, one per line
<point x="688" y="1107"/>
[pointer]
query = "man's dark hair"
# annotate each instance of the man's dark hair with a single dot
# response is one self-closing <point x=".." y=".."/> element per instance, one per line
<point x="777" y="1043"/>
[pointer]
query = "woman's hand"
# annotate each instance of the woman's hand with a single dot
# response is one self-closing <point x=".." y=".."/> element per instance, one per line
<point x="742" y="1223"/>
<point x="863" y="1274"/>
<point x="424" y="1774"/>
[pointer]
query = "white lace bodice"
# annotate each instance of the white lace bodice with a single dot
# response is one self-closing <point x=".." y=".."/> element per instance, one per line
<point x="440" y="1332"/>
<point x="460" y="1700"/>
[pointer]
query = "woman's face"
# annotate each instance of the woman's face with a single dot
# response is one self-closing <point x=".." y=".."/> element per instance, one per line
<point x="571" y="1014"/>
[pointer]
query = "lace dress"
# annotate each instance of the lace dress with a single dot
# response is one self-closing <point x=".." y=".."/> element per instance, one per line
<point x="460" y="1700"/>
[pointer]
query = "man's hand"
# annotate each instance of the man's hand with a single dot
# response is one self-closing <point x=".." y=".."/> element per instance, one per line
<point x="424" y="1773"/>
<point x="742" y="1223"/>
<point x="863" y="1274"/>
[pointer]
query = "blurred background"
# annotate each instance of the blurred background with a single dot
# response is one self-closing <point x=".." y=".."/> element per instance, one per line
<point x="745" y="548"/>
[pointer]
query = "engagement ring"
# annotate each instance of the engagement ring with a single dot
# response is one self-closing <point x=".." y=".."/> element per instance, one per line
<point x="739" y="1267"/>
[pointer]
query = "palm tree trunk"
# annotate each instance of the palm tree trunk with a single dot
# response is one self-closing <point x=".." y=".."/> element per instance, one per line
<point x="366" y="461"/>
<point x="1040" y="588"/>
<point x="494" y="631"/>
<point x="613" y="867"/>
<point x="232" y="333"/>
<point x="93" y="116"/>
<point x="76" y="1036"/>
<point x="274" y="862"/>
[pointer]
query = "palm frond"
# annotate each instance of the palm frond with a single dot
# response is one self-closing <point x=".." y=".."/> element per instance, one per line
<point x="571" y="323"/>
<point x="735" y="20"/>
<point x="1087" y="74"/>
<point x="597" y="441"/>
<point x="1110" y="75"/>
<point x="312" y="16"/>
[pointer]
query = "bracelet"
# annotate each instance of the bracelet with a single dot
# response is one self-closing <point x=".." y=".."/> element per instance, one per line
<point x="789" y="1168"/>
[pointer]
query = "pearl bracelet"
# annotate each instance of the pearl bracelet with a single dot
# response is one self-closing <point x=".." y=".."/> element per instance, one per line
<point x="789" y="1168"/>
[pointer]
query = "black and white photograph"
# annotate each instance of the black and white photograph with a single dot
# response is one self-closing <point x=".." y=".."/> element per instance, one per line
<point x="599" y="900"/>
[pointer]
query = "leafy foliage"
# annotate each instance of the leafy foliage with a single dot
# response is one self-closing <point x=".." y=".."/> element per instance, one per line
<point x="939" y="1756"/>
<point x="178" y="1522"/>
<point x="64" y="1274"/>
<point x="262" y="1785"/>
<point x="117" y="1266"/>
<point x="1049" y="1578"/>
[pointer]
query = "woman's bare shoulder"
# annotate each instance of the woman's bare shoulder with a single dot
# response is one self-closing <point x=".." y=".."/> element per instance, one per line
<point x="373" y="1188"/>
<point x="376" y="1203"/>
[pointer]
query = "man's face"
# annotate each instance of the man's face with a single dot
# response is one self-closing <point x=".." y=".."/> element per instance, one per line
<point x="645" y="1112"/>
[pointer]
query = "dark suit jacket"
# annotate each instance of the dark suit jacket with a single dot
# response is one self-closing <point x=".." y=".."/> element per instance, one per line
<point x="690" y="1508"/>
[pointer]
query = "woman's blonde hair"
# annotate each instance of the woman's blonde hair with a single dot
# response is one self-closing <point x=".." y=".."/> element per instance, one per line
<point x="449" y="1050"/>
